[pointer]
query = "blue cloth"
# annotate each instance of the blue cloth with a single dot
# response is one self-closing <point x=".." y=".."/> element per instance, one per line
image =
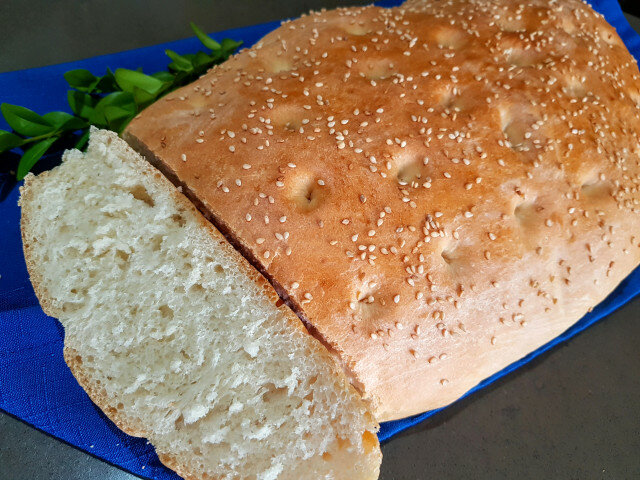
<point x="35" y="384"/>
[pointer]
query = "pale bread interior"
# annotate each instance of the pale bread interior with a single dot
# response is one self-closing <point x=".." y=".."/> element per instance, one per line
<point x="177" y="339"/>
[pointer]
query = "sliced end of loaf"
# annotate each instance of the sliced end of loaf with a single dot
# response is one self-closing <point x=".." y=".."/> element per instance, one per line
<point x="175" y="337"/>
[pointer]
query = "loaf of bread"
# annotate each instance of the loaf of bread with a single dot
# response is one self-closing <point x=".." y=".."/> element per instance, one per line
<point x="436" y="189"/>
<point x="175" y="337"/>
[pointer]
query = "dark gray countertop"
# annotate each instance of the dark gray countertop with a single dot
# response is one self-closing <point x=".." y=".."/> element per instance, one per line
<point x="574" y="413"/>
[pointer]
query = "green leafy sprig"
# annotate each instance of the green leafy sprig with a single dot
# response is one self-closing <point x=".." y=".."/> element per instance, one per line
<point x="110" y="101"/>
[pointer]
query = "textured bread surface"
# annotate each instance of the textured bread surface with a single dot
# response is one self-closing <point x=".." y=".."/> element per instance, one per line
<point x="438" y="189"/>
<point x="175" y="337"/>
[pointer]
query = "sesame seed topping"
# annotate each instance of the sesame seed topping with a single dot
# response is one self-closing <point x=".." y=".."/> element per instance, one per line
<point x="543" y="132"/>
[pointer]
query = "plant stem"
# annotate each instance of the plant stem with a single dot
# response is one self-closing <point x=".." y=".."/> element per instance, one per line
<point x="48" y="135"/>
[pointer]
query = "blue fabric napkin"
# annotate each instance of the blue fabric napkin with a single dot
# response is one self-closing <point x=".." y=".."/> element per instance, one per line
<point x="35" y="384"/>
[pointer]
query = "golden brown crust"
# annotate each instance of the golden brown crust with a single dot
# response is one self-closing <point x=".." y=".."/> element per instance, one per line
<point x="439" y="188"/>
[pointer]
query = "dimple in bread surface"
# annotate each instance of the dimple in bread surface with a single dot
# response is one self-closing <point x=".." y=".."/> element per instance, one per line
<point x="175" y="337"/>
<point x="438" y="188"/>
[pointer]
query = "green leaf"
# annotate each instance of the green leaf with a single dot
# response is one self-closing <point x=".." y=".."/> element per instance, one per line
<point x="201" y="60"/>
<point x="32" y="155"/>
<point x="82" y="80"/>
<point x="114" y="109"/>
<point x="143" y="99"/>
<point x="83" y="140"/>
<point x="114" y="113"/>
<point x="81" y="103"/>
<point x="64" y="121"/>
<point x="120" y="121"/>
<point x="129" y="80"/>
<point x="179" y="62"/>
<point x="165" y="77"/>
<point x="206" y="40"/>
<point x="229" y="46"/>
<point x="24" y="121"/>
<point x="8" y="141"/>
<point x="218" y="56"/>
<point x="107" y="83"/>
<point x="116" y="98"/>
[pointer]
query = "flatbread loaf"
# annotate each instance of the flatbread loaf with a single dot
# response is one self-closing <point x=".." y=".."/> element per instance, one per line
<point x="437" y="189"/>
